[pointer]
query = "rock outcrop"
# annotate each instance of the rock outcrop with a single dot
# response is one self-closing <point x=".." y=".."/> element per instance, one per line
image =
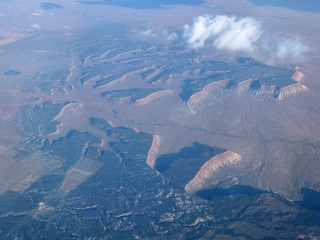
<point x="68" y="108"/>
<point x="199" y="96"/>
<point x="244" y="86"/>
<point x="271" y="90"/>
<point x="208" y="170"/>
<point x="292" y="90"/>
<point x="297" y="76"/>
<point x="153" y="152"/>
<point x="266" y="90"/>
<point x="153" y="96"/>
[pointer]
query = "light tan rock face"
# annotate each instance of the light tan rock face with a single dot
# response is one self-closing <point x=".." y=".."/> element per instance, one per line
<point x="244" y="86"/>
<point x="297" y="76"/>
<point x="208" y="170"/>
<point x="154" y="150"/>
<point x="153" y="96"/>
<point x="266" y="90"/>
<point x="292" y="90"/>
<point x="199" y="96"/>
<point x="270" y="90"/>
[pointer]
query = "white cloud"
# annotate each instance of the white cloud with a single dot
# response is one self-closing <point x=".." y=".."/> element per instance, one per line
<point x="291" y="48"/>
<point x="148" y="33"/>
<point x="35" y="26"/>
<point x="228" y="33"/>
<point x="170" y="35"/>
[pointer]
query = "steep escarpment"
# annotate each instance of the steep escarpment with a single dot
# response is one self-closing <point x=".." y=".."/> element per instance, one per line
<point x="266" y="90"/>
<point x="208" y="170"/>
<point x="129" y="95"/>
<point x="292" y="90"/>
<point x="153" y="96"/>
<point x="244" y="86"/>
<point x="153" y="152"/>
<point x="279" y="90"/>
<point x="199" y="96"/>
<point x="195" y="98"/>
<point x="298" y="76"/>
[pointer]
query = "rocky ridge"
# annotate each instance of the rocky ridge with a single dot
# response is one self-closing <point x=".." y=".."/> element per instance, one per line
<point x="208" y="170"/>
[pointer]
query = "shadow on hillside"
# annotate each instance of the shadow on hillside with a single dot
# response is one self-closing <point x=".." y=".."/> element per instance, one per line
<point x="209" y="194"/>
<point x="311" y="199"/>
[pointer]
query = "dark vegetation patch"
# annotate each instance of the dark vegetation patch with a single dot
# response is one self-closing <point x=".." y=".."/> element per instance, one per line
<point x="212" y="193"/>
<point x="133" y="94"/>
<point x="11" y="201"/>
<point x="164" y="161"/>
<point x="37" y="119"/>
<point x="311" y="199"/>
<point x="248" y="68"/>
<point x="12" y="72"/>
<point x="69" y="148"/>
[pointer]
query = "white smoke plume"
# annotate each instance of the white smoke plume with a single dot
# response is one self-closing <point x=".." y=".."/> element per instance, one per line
<point x="227" y="33"/>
